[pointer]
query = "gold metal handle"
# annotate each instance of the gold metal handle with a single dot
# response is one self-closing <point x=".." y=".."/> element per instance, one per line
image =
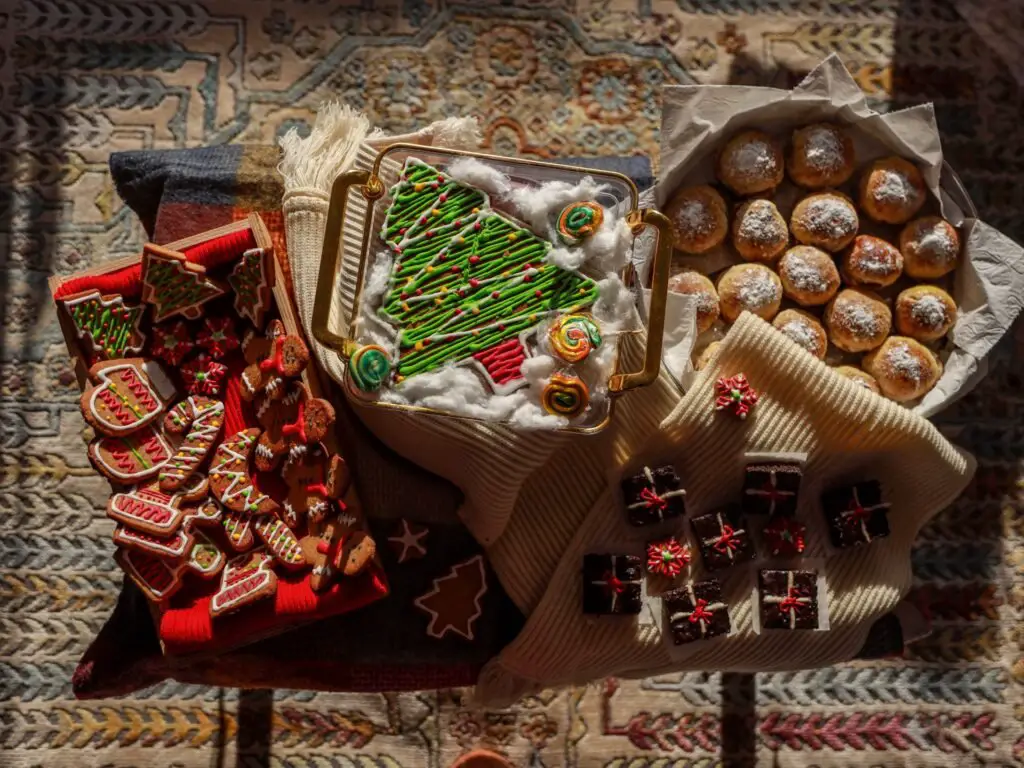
<point x="621" y="382"/>
<point x="325" y="284"/>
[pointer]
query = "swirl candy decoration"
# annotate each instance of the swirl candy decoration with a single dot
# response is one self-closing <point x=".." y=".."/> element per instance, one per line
<point x="565" y="395"/>
<point x="578" y="221"/>
<point x="574" y="337"/>
<point x="369" y="367"/>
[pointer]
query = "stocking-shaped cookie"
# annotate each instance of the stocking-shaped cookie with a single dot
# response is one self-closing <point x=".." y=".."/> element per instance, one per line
<point x="271" y="360"/>
<point x="313" y="479"/>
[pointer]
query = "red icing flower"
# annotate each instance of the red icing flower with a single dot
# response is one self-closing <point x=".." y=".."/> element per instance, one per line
<point x="785" y="536"/>
<point x="171" y="342"/>
<point x="667" y="557"/>
<point x="218" y="337"/>
<point x="203" y="375"/>
<point x="735" y="393"/>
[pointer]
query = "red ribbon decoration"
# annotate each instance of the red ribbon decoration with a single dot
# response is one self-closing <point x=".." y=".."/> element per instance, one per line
<point x="791" y="602"/>
<point x="700" y="612"/>
<point x="653" y="499"/>
<point x="613" y="584"/>
<point x="728" y="540"/>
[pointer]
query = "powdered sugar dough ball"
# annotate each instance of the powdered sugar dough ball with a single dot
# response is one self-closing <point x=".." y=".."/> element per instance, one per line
<point x="930" y="247"/>
<point x="872" y="262"/>
<point x="804" y="329"/>
<point x="892" y="190"/>
<point x="859" y="377"/>
<point x="751" y="162"/>
<point x="809" y="276"/>
<point x="925" y="312"/>
<point x="700" y="219"/>
<point x="690" y="283"/>
<point x="857" y="320"/>
<point x="759" y="233"/>
<point x="826" y="220"/>
<point x="751" y="287"/>
<point x="822" y="155"/>
<point x="904" y="368"/>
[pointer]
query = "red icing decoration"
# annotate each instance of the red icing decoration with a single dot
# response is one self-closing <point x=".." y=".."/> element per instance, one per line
<point x="218" y="337"/>
<point x="203" y="375"/>
<point x="503" y="361"/>
<point x="785" y="537"/>
<point x="667" y="557"/>
<point x="735" y="393"/>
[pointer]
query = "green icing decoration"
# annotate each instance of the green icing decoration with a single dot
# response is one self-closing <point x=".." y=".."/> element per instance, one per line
<point x="465" y="277"/>
<point x="173" y="287"/>
<point x="111" y="326"/>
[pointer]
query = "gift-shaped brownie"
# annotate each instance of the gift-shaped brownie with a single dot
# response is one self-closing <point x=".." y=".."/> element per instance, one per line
<point x="789" y="599"/>
<point x="654" y="495"/>
<point x="612" y="584"/>
<point x="723" y="541"/>
<point x="696" y="612"/>
<point x="771" y="488"/>
<point x="856" y="514"/>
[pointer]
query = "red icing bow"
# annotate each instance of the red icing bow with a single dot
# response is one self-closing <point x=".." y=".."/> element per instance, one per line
<point x="653" y="499"/>
<point x="701" y="612"/>
<point x="793" y="601"/>
<point x="613" y="584"/>
<point x="735" y="393"/>
<point x="728" y="540"/>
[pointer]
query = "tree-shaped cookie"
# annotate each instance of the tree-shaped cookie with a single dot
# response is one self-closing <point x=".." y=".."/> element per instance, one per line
<point x="107" y="326"/>
<point x="465" y="277"/>
<point x="174" y="285"/>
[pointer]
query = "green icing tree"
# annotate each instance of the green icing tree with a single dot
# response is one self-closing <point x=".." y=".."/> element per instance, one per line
<point x="465" y="278"/>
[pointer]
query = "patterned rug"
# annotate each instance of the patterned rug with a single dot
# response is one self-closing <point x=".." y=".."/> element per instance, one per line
<point x="81" y="78"/>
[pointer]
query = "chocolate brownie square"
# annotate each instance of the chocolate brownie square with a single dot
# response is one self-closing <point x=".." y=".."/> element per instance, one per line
<point x="723" y="540"/>
<point x="856" y="514"/>
<point x="789" y="599"/>
<point x="697" y="612"/>
<point x="654" y="495"/>
<point x="612" y="584"/>
<point x="771" y="489"/>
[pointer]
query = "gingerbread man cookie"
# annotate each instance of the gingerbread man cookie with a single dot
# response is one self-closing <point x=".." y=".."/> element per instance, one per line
<point x="230" y="481"/>
<point x="201" y="419"/>
<point x="334" y="551"/>
<point x="313" y="479"/>
<point x="131" y="458"/>
<point x="271" y="360"/>
<point x="297" y="418"/>
<point x="245" y="579"/>
<point x="174" y="285"/>
<point x="253" y="280"/>
<point x="125" y="395"/>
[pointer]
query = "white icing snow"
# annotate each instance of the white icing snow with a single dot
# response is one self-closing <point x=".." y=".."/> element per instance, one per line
<point x="803" y="334"/>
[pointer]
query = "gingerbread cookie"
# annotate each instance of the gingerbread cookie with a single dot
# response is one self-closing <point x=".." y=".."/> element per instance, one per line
<point x="174" y="285"/>
<point x="313" y="480"/>
<point x="218" y="337"/>
<point x="271" y="359"/>
<point x="252" y="280"/>
<point x="157" y="578"/>
<point x="230" y="481"/>
<point x="203" y="375"/>
<point x="173" y="547"/>
<point x="245" y="579"/>
<point x="205" y="559"/>
<point x="297" y="418"/>
<point x="194" y="488"/>
<point x="171" y="342"/>
<point x="125" y="395"/>
<point x="203" y="419"/>
<point x="280" y="541"/>
<point x="131" y="458"/>
<point x="148" y="509"/>
<point x="407" y="543"/>
<point x="453" y="603"/>
<point x="333" y="551"/>
<point x="239" y="530"/>
<point x="107" y="326"/>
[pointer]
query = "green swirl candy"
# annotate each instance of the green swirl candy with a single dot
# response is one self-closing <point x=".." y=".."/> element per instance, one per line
<point x="369" y="367"/>
<point x="579" y="220"/>
<point x="565" y="396"/>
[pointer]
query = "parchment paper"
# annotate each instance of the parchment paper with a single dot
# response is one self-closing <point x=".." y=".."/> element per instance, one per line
<point x="989" y="282"/>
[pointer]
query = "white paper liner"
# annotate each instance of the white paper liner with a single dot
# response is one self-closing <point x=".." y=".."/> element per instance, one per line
<point x="988" y="285"/>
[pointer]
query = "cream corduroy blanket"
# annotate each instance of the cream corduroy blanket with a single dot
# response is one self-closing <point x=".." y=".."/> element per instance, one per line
<point x="846" y="434"/>
<point x="539" y="501"/>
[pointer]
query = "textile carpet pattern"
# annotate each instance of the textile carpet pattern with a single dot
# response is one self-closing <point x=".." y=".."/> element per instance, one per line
<point x="82" y="78"/>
